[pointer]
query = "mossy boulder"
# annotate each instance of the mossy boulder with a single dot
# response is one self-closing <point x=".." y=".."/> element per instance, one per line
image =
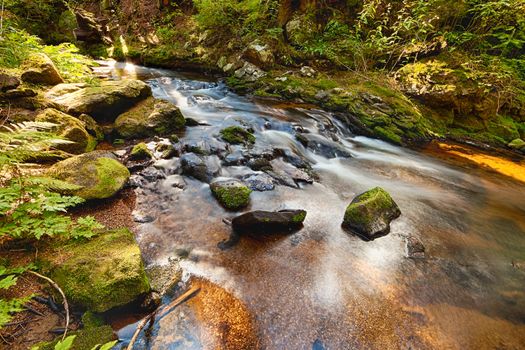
<point x="517" y="144"/>
<point x="92" y="127"/>
<point x="100" y="274"/>
<point x="39" y="69"/>
<point x="70" y="128"/>
<point x="99" y="174"/>
<point x="231" y="193"/>
<point x="104" y="102"/>
<point x="237" y="135"/>
<point x="148" y="118"/>
<point x="370" y="213"/>
<point x="140" y="152"/>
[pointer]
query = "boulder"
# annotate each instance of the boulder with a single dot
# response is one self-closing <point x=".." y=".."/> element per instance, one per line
<point x="99" y="174"/>
<point x="370" y="213"/>
<point x="258" y="54"/>
<point x="140" y="152"/>
<point x="195" y="166"/>
<point x="149" y="118"/>
<point x="265" y="222"/>
<point x="102" y="273"/>
<point x="92" y="127"/>
<point x="249" y="72"/>
<point x="69" y="128"/>
<point x="8" y="81"/>
<point x="231" y="193"/>
<point x="236" y="135"/>
<point x="39" y="69"/>
<point x="104" y="102"/>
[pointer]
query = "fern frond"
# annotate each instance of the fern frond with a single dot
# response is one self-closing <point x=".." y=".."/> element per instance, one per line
<point x="51" y="184"/>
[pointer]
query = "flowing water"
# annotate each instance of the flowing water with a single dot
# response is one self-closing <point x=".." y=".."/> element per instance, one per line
<point x="322" y="287"/>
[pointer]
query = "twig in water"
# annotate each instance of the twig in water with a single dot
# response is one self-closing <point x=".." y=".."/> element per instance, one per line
<point x="66" y="305"/>
<point x="167" y="308"/>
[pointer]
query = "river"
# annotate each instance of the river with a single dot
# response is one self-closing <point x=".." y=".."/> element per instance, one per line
<point x="322" y="287"/>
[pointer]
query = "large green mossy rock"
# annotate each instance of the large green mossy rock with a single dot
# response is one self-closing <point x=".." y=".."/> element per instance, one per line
<point x="70" y="128"/>
<point x="99" y="173"/>
<point x="102" y="273"/>
<point x="237" y="135"/>
<point x="104" y="102"/>
<point x="231" y="193"/>
<point x="149" y="118"/>
<point x="370" y="213"/>
<point x="39" y="69"/>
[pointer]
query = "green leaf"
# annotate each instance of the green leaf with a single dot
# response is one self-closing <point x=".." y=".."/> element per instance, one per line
<point x="65" y="344"/>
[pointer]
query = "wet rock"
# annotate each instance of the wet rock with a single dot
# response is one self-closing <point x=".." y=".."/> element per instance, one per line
<point x="191" y="122"/>
<point x="237" y="135"/>
<point x="142" y="218"/>
<point x="259" y="182"/>
<point x="288" y="175"/>
<point x="98" y="174"/>
<point x="39" y="69"/>
<point x="140" y="152"/>
<point x="102" y="273"/>
<point x="152" y="174"/>
<point x="322" y="146"/>
<point x="167" y="150"/>
<point x="259" y="164"/>
<point x="414" y="248"/>
<point x="149" y="118"/>
<point x="195" y="166"/>
<point x="104" y="102"/>
<point x="231" y="193"/>
<point x="69" y="128"/>
<point x="174" y="181"/>
<point x="235" y="158"/>
<point x="164" y="277"/>
<point x="266" y="222"/>
<point x="370" y="213"/>
<point x="8" y="81"/>
<point x="292" y="158"/>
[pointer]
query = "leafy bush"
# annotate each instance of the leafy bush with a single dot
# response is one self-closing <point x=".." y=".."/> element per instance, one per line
<point x="8" y="278"/>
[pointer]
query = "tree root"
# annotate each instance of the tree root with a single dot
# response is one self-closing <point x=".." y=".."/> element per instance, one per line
<point x="65" y="303"/>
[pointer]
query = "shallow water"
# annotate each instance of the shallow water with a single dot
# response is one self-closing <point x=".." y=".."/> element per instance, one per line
<point x="322" y="287"/>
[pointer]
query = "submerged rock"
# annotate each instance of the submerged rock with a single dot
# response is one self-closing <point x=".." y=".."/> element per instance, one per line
<point x="69" y="128"/>
<point x="370" y="213"/>
<point x="99" y="174"/>
<point x="259" y="182"/>
<point x="265" y="222"/>
<point x="104" y="102"/>
<point x="102" y="273"/>
<point x="414" y="248"/>
<point x="39" y="69"/>
<point x="150" y="117"/>
<point x="231" y="193"/>
<point x="195" y="166"/>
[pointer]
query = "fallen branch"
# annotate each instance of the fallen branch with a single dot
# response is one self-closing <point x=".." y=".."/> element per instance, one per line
<point x="66" y="305"/>
<point x="162" y="312"/>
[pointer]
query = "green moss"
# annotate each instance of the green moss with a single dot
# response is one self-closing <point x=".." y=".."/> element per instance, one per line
<point x="99" y="176"/>
<point x="234" y="197"/>
<point x="299" y="218"/>
<point x="85" y="339"/>
<point x="236" y="135"/>
<point x="140" y="152"/>
<point x="391" y="134"/>
<point x="101" y="274"/>
<point x="91" y="320"/>
<point x="365" y="206"/>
